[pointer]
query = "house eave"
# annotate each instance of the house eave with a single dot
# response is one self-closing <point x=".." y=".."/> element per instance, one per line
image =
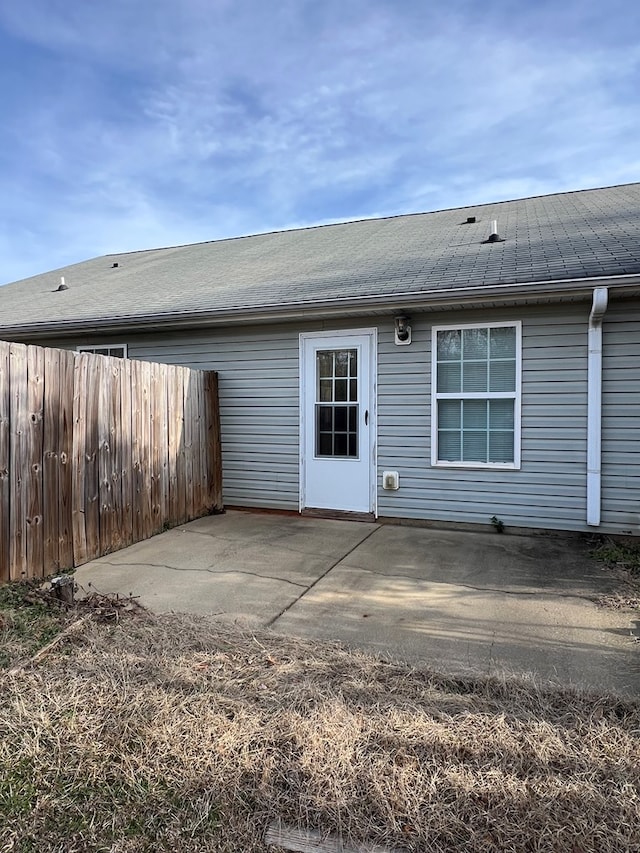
<point x="529" y="293"/>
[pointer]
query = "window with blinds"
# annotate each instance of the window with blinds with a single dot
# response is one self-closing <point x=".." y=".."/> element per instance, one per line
<point x="476" y="395"/>
<point x="117" y="350"/>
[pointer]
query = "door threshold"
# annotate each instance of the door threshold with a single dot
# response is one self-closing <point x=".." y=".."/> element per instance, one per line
<point x="337" y="514"/>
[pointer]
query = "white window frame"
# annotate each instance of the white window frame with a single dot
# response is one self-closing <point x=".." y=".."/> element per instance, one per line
<point x="516" y="396"/>
<point x="92" y="349"/>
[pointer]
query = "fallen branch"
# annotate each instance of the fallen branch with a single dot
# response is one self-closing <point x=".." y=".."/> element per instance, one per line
<point x="69" y="631"/>
<point x="311" y="841"/>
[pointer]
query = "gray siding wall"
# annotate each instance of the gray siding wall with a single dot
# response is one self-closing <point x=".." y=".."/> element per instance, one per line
<point x="259" y="380"/>
<point x="621" y="419"/>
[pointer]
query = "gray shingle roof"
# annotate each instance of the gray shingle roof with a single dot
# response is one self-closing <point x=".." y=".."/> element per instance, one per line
<point x="588" y="233"/>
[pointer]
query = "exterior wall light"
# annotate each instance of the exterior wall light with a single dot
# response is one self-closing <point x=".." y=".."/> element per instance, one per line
<point x="402" y="330"/>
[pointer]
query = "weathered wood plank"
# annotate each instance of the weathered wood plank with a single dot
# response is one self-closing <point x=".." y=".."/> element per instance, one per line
<point x="35" y="402"/>
<point x="145" y="445"/>
<point x="79" y="455"/>
<point x="181" y="476"/>
<point x="95" y="372"/>
<point x="115" y="468"/>
<point x="50" y="464"/>
<point x="311" y="841"/>
<point x="155" y="436"/>
<point x="126" y="451"/>
<point x="188" y="443"/>
<point x="137" y="441"/>
<point x="65" y="460"/>
<point x="196" y="419"/>
<point x="174" y="422"/>
<point x="163" y="442"/>
<point x="18" y="465"/>
<point x="5" y="461"/>
<point x="104" y="378"/>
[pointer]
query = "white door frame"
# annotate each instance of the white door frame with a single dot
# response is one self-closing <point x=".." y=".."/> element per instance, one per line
<point x="373" y="407"/>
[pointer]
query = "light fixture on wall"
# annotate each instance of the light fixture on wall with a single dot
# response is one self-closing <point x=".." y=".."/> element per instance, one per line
<point x="402" y="330"/>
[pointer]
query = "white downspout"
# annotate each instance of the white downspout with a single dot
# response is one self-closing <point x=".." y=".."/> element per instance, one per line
<point x="594" y="405"/>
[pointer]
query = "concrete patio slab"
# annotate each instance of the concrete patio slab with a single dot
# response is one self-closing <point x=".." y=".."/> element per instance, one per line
<point x="451" y="600"/>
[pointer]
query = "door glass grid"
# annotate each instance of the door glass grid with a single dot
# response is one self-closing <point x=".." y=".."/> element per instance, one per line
<point x="337" y="403"/>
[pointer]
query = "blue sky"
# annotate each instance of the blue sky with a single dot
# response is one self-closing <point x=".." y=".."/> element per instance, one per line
<point x="131" y="124"/>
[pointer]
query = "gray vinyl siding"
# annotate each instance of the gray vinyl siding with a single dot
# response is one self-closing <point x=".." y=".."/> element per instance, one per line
<point x="550" y="488"/>
<point x="259" y="389"/>
<point x="621" y="419"/>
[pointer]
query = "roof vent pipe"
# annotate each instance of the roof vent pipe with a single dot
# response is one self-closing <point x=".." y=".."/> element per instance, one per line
<point x="494" y="237"/>
<point x="62" y="285"/>
<point x="594" y="405"/>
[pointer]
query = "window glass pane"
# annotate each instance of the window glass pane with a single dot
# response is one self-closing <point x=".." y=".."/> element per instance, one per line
<point x="341" y="390"/>
<point x="325" y="444"/>
<point x="325" y="363"/>
<point x="449" y="413"/>
<point x="449" y="378"/>
<point x="342" y="363"/>
<point x="353" y="362"/>
<point x="448" y="446"/>
<point x="326" y="390"/>
<point x="353" y="418"/>
<point x="340" y="415"/>
<point x="501" y="414"/>
<point x="502" y="376"/>
<point x="340" y="444"/>
<point x="502" y="343"/>
<point x="474" y="414"/>
<point x="474" y="376"/>
<point x="501" y="446"/>
<point x="353" y="390"/>
<point x="474" y="343"/>
<point x="474" y="446"/>
<point x="325" y="417"/>
<point x="353" y="445"/>
<point x="449" y="345"/>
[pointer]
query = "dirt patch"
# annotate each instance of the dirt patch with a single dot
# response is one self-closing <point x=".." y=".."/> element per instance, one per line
<point x="622" y="558"/>
<point x="170" y="733"/>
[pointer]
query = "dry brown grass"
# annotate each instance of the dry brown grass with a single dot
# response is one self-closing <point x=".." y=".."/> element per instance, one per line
<point x="170" y="733"/>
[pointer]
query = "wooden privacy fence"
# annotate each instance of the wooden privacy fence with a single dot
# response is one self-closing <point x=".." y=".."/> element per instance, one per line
<point x="97" y="453"/>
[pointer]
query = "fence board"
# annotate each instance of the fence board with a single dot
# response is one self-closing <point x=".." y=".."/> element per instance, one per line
<point x="145" y="455"/>
<point x="98" y="452"/>
<point x="35" y="402"/>
<point x="188" y="444"/>
<point x="155" y="413"/>
<point x="95" y="376"/>
<point x="181" y="470"/>
<point x="5" y="462"/>
<point x="50" y="466"/>
<point x="105" y="459"/>
<point x="126" y="442"/>
<point x="79" y="458"/>
<point x="18" y="477"/>
<point x="174" y="423"/>
<point x="163" y="444"/>
<point x="65" y="460"/>
<point x="115" y="469"/>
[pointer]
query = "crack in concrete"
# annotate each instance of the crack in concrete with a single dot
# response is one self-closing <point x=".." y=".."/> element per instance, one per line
<point x="272" y="621"/>
<point x="210" y="570"/>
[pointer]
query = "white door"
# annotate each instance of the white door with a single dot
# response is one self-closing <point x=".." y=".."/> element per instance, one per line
<point x="337" y="440"/>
